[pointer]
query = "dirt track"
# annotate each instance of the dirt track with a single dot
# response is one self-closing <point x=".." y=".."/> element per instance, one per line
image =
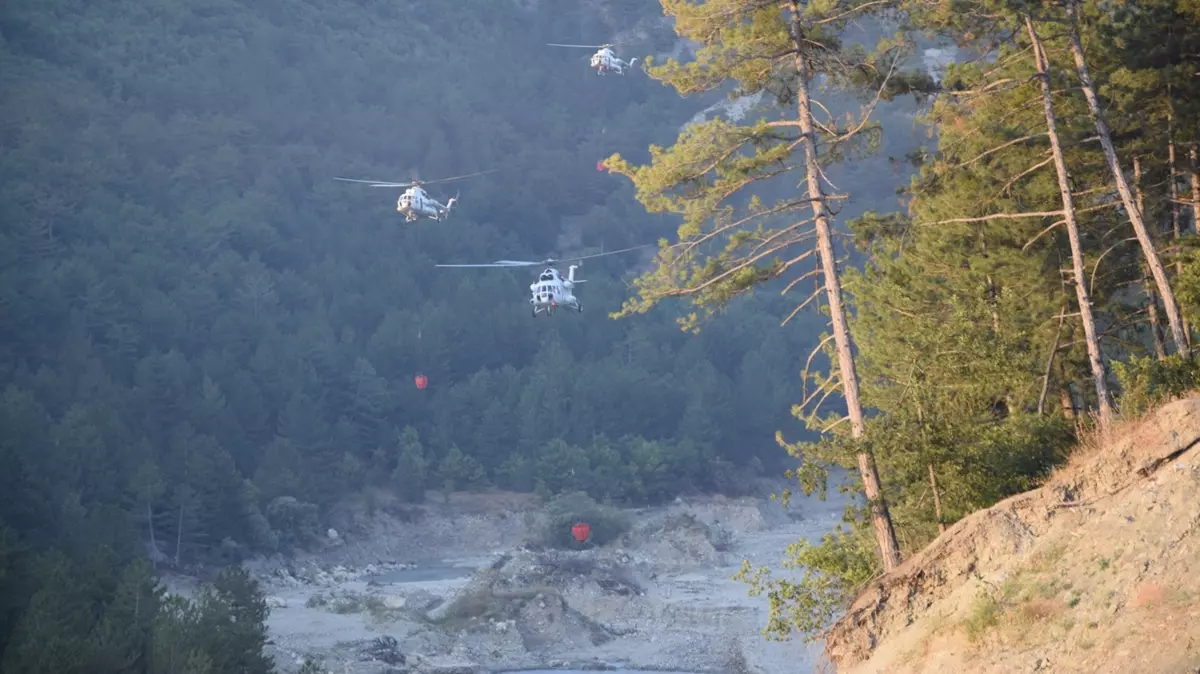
<point x="407" y="595"/>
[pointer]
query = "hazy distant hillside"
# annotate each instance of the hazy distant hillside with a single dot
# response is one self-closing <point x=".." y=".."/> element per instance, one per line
<point x="198" y="313"/>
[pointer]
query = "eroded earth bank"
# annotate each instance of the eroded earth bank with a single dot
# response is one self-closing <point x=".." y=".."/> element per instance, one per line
<point x="467" y="586"/>
<point x="1096" y="572"/>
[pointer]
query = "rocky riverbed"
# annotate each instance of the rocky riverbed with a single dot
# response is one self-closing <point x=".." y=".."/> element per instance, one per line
<point x="461" y="587"/>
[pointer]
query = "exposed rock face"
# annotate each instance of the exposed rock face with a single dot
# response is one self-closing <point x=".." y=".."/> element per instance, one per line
<point x="1087" y="573"/>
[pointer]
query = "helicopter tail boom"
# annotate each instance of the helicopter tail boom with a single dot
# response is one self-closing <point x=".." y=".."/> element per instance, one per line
<point x="450" y="203"/>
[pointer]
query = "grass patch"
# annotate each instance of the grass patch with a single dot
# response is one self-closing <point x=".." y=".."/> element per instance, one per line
<point x="348" y="603"/>
<point x="1039" y="609"/>
<point x="1045" y="560"/>
<point x="1026" y="604"/>
<point x="985" y="614"/>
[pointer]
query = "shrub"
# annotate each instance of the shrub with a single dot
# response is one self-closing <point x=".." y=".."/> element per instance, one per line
<point x="1148" y="382"/>
<point x="564" y="511"/>
<point x="296" y="522"/>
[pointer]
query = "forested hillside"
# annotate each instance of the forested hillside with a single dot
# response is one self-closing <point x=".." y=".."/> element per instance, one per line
<point x="200" y="320"/>
<point x="208" y="342"/>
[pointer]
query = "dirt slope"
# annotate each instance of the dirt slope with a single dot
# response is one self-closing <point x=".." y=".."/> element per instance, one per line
<point x="1097" y="571"/>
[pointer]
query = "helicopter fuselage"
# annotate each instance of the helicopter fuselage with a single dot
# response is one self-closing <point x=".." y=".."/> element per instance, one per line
<point x="605" y="60"/>
<point x="416" y="203"/>
<point x="551" y="291"/>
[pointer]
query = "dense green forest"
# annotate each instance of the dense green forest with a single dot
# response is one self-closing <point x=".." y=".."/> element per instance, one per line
<point x="209" y="343"/>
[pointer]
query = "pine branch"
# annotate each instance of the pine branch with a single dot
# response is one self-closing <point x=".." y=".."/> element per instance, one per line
<point x="995" y="216"/>
<point x="798" y="279"/>
<point x="708" y="236"/>
<point x="835" y="424"/>
<point x="816" y="293"/>
<point x="808" y="363"/>
<point x="998" y="148"/>
<point x="1008" y="185"/>
<point x="854" y="10"/>
<point x="1096" y="267"/>
<point x="743" y="264"/>
<point x="1042" y="233"/>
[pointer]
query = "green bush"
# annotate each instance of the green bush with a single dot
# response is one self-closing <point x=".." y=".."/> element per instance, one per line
<point x="608" y="523"/>
<point x="832" y="571"/>
<point x="296" y="522"/>
<point x="1147" y="382"/>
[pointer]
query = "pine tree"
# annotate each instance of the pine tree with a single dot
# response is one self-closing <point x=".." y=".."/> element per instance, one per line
<point x="175" y="647"/>
<point x="232" y="624"/>
<point x="123" y="636"/>
<point x="1070" y="218"/>
<point x="730" y="243"/>
<point x="410" y="478"/>
<point x="1149" y="250"/>
<point x="52" y="634"/>
<point x="1147" y="70"/>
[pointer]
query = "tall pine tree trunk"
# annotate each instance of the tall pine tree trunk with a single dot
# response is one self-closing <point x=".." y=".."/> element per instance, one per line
<point x="1173" y="189"/>
<point x="153" y="543"/>
<point x="937" y="500"/>
<point x="1160" y="349"/>
<point x="1172" y="178"/>
<point x="1095" y="358"/>
<point x="1062" y="317"/>
<point x="1178" y="334"/>
<point x="881" y="520"/>
<point x="179" y="536"/>
<point x="1194" y="156"/>
<point x="993" y="295"/>
<point x="937" y="496"/>
<point x="1067" y="400"/>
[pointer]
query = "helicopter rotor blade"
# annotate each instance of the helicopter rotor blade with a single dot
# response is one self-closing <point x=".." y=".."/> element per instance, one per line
<point x="469" y="175"/>
<point x="611" y="252"/>
<point x="374" y="183"/>
<point x="547" y="262"/>
<point x="580" y="46"/>
<point x="498" y="264"/>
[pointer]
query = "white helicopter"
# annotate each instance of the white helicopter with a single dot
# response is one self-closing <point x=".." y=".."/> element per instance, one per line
<point x="551" y="290"/>
<point x="603" y="60"/>
<point x="415" y="202"/>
